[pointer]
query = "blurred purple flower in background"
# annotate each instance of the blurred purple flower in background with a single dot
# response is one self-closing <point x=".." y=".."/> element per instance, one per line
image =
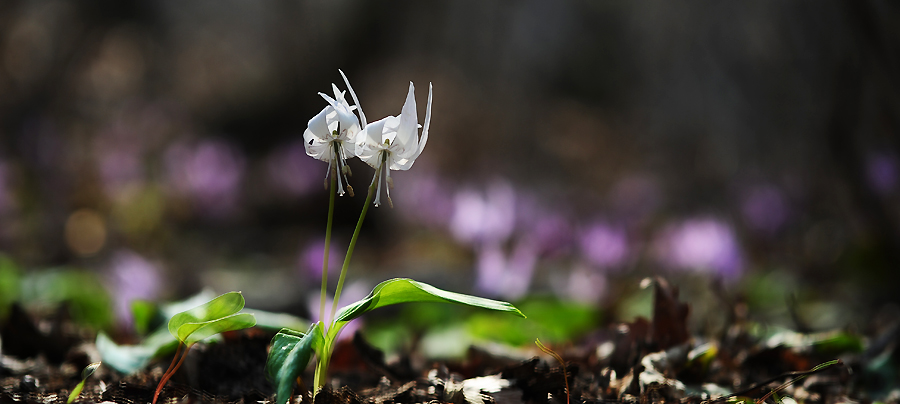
<point x="121" y="146"/>
<point x="581" y="284"/>
<point x="313" y="255"/>
<point x="550" y="233"/>
<point x="208" y="172"/>
<point x="290" y="171"/>
<point x="510" y="277"/>
<point x="425" y="198"/>
<point x="703" y="244"/>
<point x="488" y="218"/>
<point x="131" y="277"/>
<point x="882" y="172"/>
<point x="764" y="208"/>
<point x="548" y="230"/>
<point x="604" y="246"/>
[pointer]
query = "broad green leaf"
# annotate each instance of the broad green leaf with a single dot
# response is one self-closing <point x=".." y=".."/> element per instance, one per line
<point x="403" y="290"/>
<point x="194" y="332"/>
<point x="288" y="357"/>
<point x="144" y="314"/>
<point x="169" y="310"/>
<point x="552" y="320"/>
<point x="131" y="358"/>
<point x="220" y="307"/>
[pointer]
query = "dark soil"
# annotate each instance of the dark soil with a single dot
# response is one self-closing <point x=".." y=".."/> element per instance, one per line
<point x="647" y="361"/>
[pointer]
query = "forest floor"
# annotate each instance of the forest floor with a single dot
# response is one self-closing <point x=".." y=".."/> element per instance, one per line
<point x="654" y="360"/>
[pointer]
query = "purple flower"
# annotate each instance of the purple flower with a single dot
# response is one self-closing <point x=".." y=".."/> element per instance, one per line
<point x="209" y="173"/>
<point x="425" y="198"/>
<point x="484" y="218"/>
<point x="132" y="277"/>
<point x="703" y="244"/>
<point x="291" y="171"/>
<point x="604" y="246"/>
<point x="312" y="257"/>
<point x="582" y="285"/>
<point x="546" y="229"/>
<point x="764" y="208"/>
<point x="122" y="145"/>
<point x="506" y="277"/>
<point x="550" y="233"/>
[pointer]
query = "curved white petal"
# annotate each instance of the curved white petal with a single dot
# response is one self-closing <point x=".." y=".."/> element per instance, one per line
<point x="362" y="116"/>
<point x="341" y="113"/>
<point x="315" y="147"/>
<point x="370" y="142"/>
<point x="318" y="125"/>
<point x="338" y="94"/>
<point x="424" y="138"/>
<point x="402" y="164"/>
<point x="407" y="131"/>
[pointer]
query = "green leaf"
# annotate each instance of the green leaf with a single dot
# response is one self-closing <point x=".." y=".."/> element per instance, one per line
<point x="403" y="290"/>
<point x="277" y="321"/>
<point x="131" y="358"/>
<point x="191" y="333"/>
<point x="289" y="355"/>
<point x="10" y="283"/>
<point x="552" y="320"/>
<point x="216" y="316"/>
<point x="144" y="313"/>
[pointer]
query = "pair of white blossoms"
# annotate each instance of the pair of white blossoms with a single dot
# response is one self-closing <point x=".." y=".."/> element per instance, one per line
<point x="391" y="143"/>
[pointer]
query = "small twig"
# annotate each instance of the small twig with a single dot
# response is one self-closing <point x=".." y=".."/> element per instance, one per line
<point x="562" y="363"/>
<point x="802" y="376"/>
<point x="798" y="375"/>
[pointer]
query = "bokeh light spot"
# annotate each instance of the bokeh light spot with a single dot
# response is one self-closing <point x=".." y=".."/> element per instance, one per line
<point x="85" y="232"/>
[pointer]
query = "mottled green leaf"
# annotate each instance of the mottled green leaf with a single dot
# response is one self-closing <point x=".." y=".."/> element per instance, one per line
<point x="290" y="353"/>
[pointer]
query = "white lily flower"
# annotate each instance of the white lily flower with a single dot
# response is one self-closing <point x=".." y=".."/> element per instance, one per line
<point x="393" y="143"/>
<point x="329" y="135"/>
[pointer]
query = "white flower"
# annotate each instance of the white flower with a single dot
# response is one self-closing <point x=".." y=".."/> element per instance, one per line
<point x="393" y="143"/>
<point x="331" y="131"/>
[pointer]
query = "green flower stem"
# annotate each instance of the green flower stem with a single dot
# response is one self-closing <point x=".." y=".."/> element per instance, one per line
<point x="362" y="217"/>
<point x="321" y="375"/>
<point x="330" y="339"/>
<point x="324" y="289"/>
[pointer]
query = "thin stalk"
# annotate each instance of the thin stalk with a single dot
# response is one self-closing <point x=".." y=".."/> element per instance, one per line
<point x="801" y="376"/>
<point x="172" y="369"/>
<point x="362" y="217"/>
<point x="321" y="375"/>
<point x="324" y="290"/>
<point x="562" y="363"/>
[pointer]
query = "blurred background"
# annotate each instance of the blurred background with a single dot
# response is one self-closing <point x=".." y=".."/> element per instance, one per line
<point x="154" y="148"/>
